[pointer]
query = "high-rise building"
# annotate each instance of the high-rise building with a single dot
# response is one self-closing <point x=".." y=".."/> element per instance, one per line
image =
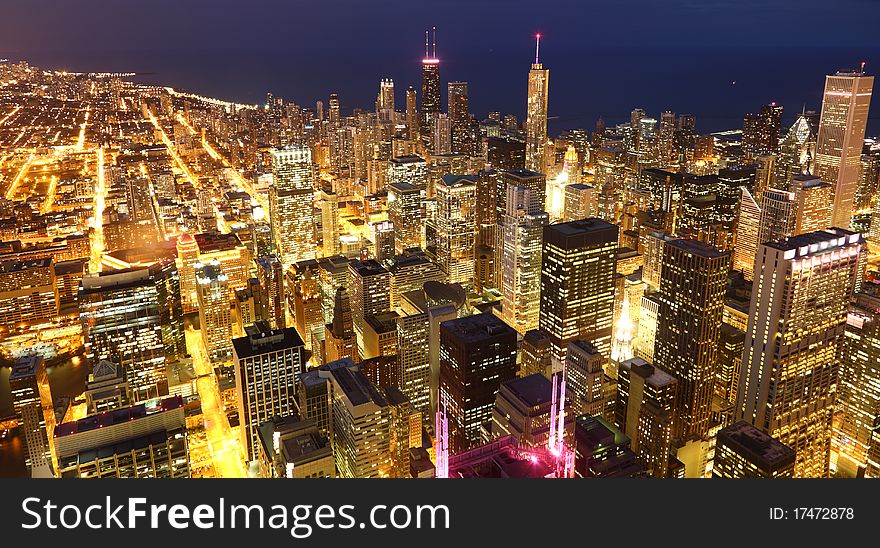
<point x="456" y="227"/>
<point x="692" y="287"/>
<point x="796" y="325"/>
<point x="747" y="226"/>
<point x="578" y="263"/>
<point x="523" y="410"/>
<point x="410" y="271"/>
<point x="477" y="354"/>
<point x="813" y="199"/>
<point x="410" y="169"/>
<point x="187" y="257"/>
<point x="459" y="116"/>
<point x="431" y="104"/>
<point x="761" y="130"/>
<point x="842" y="124"/>
<point x="536" y="114"/>
<point x="778" y="212"/>
<point x="646" y="411"/>
<point x="339" y="338"/>
<point x="133" y="317"/>
<point x="330" y="222"/>
<point x="858" y="393"/>
<point x="382" y="235"/>
<point x="412" y="114"/>
<point x="405" y="213"/>
<point x="585" y="375"/>
<point x="146" y="440"/>
<point x="369" y="287"/>
<point x="362" y="425"/>
<point x="385" y="100"/>
<point x="603" y="451"/>
<point x="743" y="451"/>
<point x="290" y="204"/>
<point x="268" y="364"/>
<point x="32" y="404"/>
<point x="271" y="279"/>
<point x="520" y="236"/>
<point x="294" y="448"/>
<point x="581" y="202"/>
<point x="27" y="292"/>
<point x="215" y="321"/>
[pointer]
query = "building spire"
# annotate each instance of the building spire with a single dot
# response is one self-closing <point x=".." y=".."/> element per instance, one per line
<point x="426" y="44"/>
<point x="537" y="46"/>
<point x="434" y="56"/>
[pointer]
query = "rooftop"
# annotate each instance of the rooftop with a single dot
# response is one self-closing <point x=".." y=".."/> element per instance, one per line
<point x="533" y="390"/>
<point x="119" y="416"/>
<point x="744" y="436"/>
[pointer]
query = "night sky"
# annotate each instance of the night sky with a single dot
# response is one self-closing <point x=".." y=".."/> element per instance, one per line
<point x="605" y="57"/>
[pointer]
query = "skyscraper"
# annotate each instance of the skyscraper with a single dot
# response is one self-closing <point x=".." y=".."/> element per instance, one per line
<point x="133" y="317"/>
<point x="431" y="104"/>
<point x="743" y="451"/>
<point x="477" y="354"/>
<point x="268" y="364"/>
<point x="578" y="263"/>
<point x="536" y="114"/>
<point x="520" y="234"/>
<point x="797" y="320"/>
<point x="290" y="205"/>
<point x="456" y="227"/>
<point x="747" y="226"/>
<point x="692" y="286"/>
<point x="214" y="306"/>
<point x="761" y="130"/>
<point x="272" y="300"/>
<point x="412" y="115"/>
<point x="369" y="286"/>
<point x="187" y="256"/>
<point x="33" y="405"/>
<point x="585" y="374"/>
<point x="405" y="213"/>
<point x="460" y="118"/>
<point x="845" y="106"/>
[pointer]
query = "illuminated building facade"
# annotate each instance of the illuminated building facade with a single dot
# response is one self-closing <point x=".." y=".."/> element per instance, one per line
<point x="581" y="202"/>
<point x="536" y="114"/>
<point x="431" y="104"/>
<point x="799" y="307"/>
<point x="842" y="124"/>
<point x="268" y="364"/>
<point x="215" y="322"/>
<point x="456" y="227"/>
<point x="290" y="205"/>
<point x="578" y="264"/>
<point x="33" y="406"/>
<point x="28" y="292"/>
<point x="405" y="213"/>
<point x="743" y="451"/>
<point x="293" y="448"/>
<point x="585" y="376"/>
<point x="187" y="257"/>
<point x="369" y="289"/>
<point x="134" y="318"/>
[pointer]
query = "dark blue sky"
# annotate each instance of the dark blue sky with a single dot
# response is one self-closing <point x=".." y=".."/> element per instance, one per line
<point x="605" y="57"/>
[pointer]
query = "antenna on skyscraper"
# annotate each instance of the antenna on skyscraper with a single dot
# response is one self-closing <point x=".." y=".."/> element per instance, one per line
<point x="537" y="46"/>
<point x="435" y="43"/>
<point x="863" y="67"/>
<point x="426" y="44"/>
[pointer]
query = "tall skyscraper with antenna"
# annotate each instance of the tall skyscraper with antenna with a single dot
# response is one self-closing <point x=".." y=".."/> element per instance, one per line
<point x="431" y="103"/>
<point x="536" y="113"/>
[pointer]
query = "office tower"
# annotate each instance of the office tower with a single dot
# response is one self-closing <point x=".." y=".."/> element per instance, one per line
<point x="146" y="440"/>
<point x="294" y="448"/>
<point x="369" y="287"/>
<point x="290" y="204"/>
<point x="761" y="130"/>
<point x="382" y="234"/>
<point x="530" y="180"/>
<point x="797" y="319"/>
<point x="330" y="222"/>
<point x="33" y="406"/>
<point x="603" y="451"/>
<point x="380" y="337"/>
<point x="268" y="364"/>
<point x="520" y="235"/>
<point x="747" y="227"/>
<point x="441" y="135"/>
<point x="692" y="287"/>
<point x="133" y="317"/>
<point x="27" y="292"/>
<point x="536" y="114"/>
<point x="234" y="257"/>
<point x="405" y="213"/>
<point x="581" y="202"/>
<point x="412" y="115"/>
<point x="653" y="243"/>
<point x="535" y="353"/>
<point x="646" y="411"/>
<point x="385" y="101"/>
<point x="858" y="393"/>
<point x="418" y="348"/>
<point x="743" y="451"/>
<point x="406" y="430"/>
<point x="215" y="322"/>
<point x="649" y="309"/>
<point x="410" y="169"/>
<point x="333" y="110"/>
<point x="845" y="106"/>
<point x="778" y="211"/>
<point x="459" y="116"/>
<point x="272" y="300"/>
<point x="796" y="151"/>
<point x="247" y="307"/>
<point x="456" y="227"/>
<point x="813" y="199"/>
<point x="622" y="344"/>
<point x="106" y="388"/>
<point x="477" y="354"/>
<point x="339" y="338"/>
<point x="585" y="373"/>
<point x="523" y="410"/>
<point x="362" y="425"/>
<point x="430" y="91"/>
<point x="187" y="257"/>
<point x="731" y="345"/>
<point x="578" y="263"/>
<point x="410" y="271"/>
